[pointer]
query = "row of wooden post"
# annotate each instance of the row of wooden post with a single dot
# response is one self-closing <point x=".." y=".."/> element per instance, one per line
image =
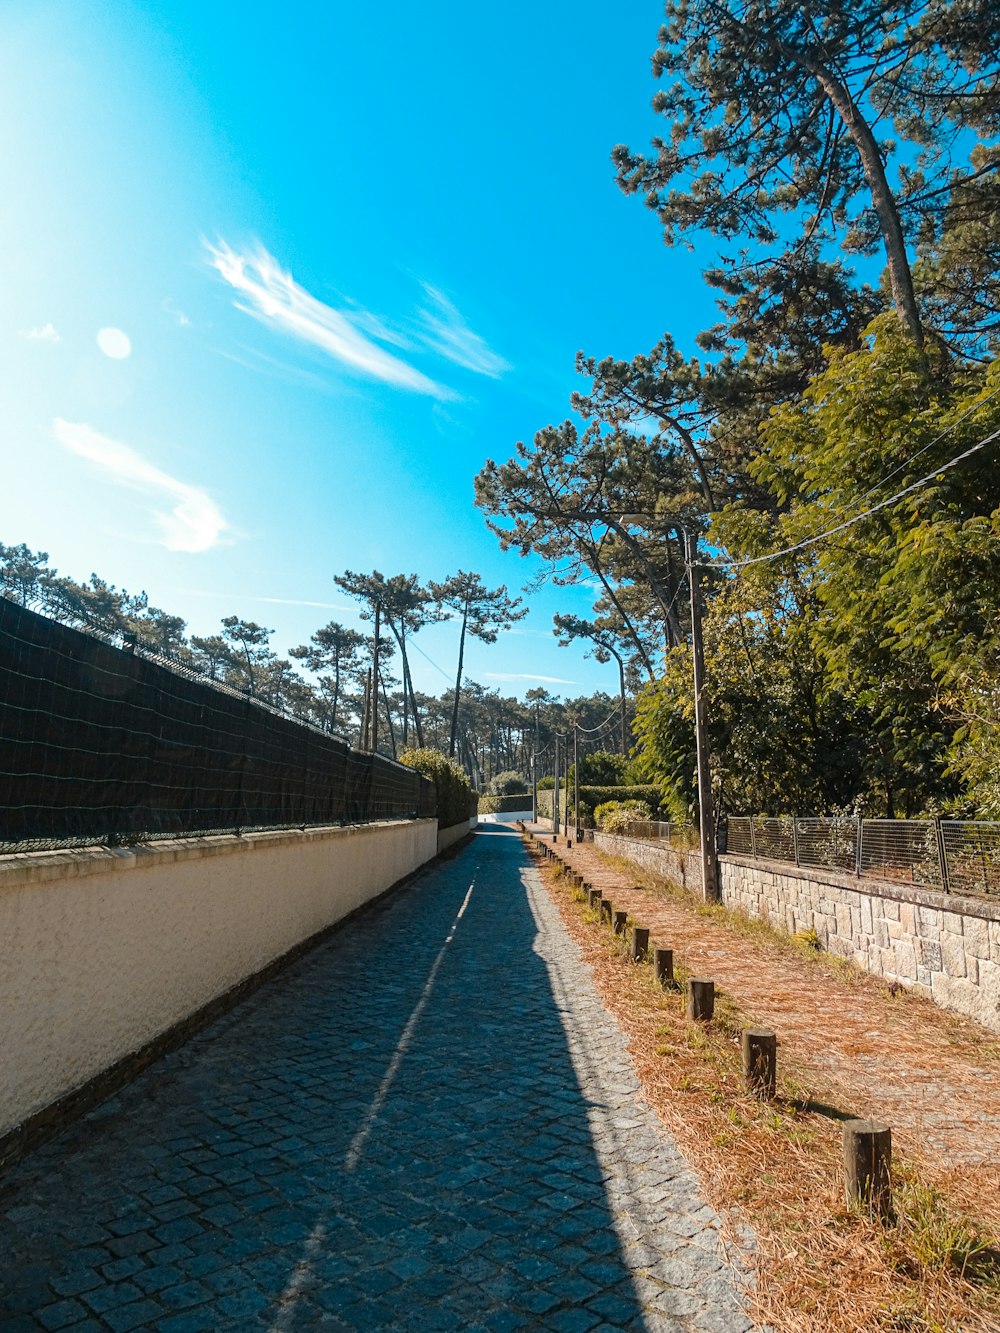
<point x="867" y="1143"/>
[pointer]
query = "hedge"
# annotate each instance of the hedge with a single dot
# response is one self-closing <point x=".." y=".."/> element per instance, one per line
<point x="500" y="805"/>
<point x="456" y="799"/>
<point x="591" y="797"/>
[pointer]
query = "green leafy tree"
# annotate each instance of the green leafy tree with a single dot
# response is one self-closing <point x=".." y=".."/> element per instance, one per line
<point x="248" y="644"/>
<point x="405" y="607"/>
<point x="336" y="650"/>
<point x="776" y="142"/>
<point x="25" y="576"/>
<point x="484" y="613"/>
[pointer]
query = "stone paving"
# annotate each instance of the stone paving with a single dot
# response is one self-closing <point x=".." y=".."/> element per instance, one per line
<point x="428" y="1123"/>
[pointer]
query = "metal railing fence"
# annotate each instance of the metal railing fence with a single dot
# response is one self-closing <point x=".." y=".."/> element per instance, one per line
<point x="953" y="855"/>
<point x="682" y="837"/>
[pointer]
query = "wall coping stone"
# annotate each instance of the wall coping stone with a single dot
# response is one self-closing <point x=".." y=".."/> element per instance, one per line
<point x="19" y="868"/>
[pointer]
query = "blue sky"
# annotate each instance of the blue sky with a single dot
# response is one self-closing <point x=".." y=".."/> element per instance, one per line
<point x="276" y="281"/>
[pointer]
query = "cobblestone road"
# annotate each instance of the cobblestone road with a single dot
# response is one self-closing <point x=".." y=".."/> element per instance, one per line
<point x="428" y="1123"/>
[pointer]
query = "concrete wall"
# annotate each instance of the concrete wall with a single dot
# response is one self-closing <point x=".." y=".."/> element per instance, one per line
<point x="447" y="837"/>
<point x="940" y="945"/>
<point x="507" y="816"/>
<point x="102" y="950"/>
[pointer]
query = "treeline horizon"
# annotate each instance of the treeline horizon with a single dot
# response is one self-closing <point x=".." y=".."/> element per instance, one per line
<point x="492" y="733"/>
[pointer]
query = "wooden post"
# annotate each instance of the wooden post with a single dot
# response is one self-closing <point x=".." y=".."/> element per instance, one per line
<point x="640" y="944"/>
<point x="701" y="999"/>
<point x="759" y="1047"/>
<point x="576" y="781"/>
<point x="619" y="922"/>
<point x="706" y="822"/>
<point x="663" y="965"/>
<point x="595" y="900"/>
<point x="555" y="791"/>
<point x="868" y="1165"/>
<point x="606" y="910"/>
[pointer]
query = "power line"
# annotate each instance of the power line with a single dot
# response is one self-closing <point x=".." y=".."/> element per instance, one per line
<point x="849" y="523"/>
<point x="592" y="731"/>
<point x="929" y="445"/>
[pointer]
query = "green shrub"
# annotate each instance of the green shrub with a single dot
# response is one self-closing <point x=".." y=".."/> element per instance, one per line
<point x="616" y="816"/>
<point x="546" y="783"/>
<point x="595" y="796"/>
<point x="456" y="798"/>
<point x="498" y="805"/>
<point x="508" y="784"/>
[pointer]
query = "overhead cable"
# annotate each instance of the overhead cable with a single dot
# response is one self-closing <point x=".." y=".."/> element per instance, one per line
<point x="858" y="518"/>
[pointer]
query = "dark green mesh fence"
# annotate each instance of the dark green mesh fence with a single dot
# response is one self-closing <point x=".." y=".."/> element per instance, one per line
<point x="102" y="745"/>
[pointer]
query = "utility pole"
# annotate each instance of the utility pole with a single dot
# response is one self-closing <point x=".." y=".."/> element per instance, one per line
<point x="706" y="820"/>
<point x="576" y="779"/>
<point x="534" y="773"/>
<point x="555" y="792"/>
<point x="376" y="676"/>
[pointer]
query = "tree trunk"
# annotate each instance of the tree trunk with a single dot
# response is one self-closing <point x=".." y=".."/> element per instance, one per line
<point x="336" y="692"/>
<point x="900" y="276"/>
<point x="621" y="681"/>
<point x="388" y="713"/>
<point x="458" y="681"/>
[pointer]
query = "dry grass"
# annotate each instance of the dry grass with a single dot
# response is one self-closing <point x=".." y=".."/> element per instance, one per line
<point x="820" y="1267"/>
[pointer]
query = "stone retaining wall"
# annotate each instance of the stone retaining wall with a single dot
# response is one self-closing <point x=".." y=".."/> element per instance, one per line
<point x="683" y="868"/>
<point x="940" y="945"/>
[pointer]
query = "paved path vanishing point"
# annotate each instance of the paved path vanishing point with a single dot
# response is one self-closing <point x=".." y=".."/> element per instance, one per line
<point x="430" y="1122"/>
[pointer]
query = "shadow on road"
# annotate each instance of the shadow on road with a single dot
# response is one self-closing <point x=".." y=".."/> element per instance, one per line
<point x="391" y="1134"/>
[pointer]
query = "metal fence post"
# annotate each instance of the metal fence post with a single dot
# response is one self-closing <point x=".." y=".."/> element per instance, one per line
<point x="858" y="846"/>
<point x="795" y="838"/>
<point x="753" y="840"/>
<point x="942" y="852"/>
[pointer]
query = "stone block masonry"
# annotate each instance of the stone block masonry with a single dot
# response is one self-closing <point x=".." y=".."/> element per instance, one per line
<point x="940" y="945"/>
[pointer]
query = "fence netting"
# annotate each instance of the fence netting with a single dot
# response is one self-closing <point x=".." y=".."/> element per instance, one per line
<point x="102" y="745"/>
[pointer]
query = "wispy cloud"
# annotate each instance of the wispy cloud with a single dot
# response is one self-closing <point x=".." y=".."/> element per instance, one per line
<point x="445" y="331"/>
<point x="507" y="675"/>
<point x="294" y="601"/>
<point x="193" y="522"/>
<point x="272" y="296"/>
<point x="167" y="305"/>
<point x="48" y="333"/>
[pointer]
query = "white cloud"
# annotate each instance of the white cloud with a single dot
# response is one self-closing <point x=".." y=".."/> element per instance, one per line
<point x="48" y="333"/>
<point x="294" y="601"/>
<point x="276" y="299"/>
<point x="446" y="332"/>
<point x="506" y="675"/>
<point x="193" y="522"/>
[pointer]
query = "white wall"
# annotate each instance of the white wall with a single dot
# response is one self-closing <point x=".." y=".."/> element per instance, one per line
<point x="101" y="951"/>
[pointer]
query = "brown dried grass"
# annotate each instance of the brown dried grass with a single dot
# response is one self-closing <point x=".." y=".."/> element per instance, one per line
<point x="819" y="1267"/>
